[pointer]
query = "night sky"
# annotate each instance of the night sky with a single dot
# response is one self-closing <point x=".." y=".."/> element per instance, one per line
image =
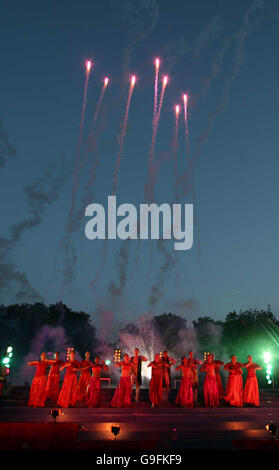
<point x="224" y="54"/>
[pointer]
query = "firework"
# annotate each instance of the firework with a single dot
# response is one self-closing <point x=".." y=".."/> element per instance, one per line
<point x="157" y="65"/>
<point x="177" y="111"/>
<point x="185" y="101"/>
<point x="123" y="133"/>
<point x="91" y="134"/>
<point x="87" y="74"/>
<point x="150" y="184"/>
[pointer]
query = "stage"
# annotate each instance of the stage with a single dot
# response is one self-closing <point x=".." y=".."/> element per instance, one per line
<point x="140" y="427"/>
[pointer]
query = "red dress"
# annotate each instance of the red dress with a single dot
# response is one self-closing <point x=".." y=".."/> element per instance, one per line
<point x="52" y="386"/>
<point x="210" y="386"/>
<point x="123" y="393"/>
<point x="94" y="392"/>
<point x="156" y="386"/>
<point x="251" y="389"/>
<point x="185" y="396"/>
<point x="83" y="381"/>
<point x="68" y="392"/>
<point x="218" y="365"/>
<point x="37" y="395"/>
<point x="234" y="388"/>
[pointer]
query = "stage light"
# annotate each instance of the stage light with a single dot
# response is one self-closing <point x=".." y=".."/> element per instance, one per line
<point x="6" y="361"/>
<point x="268" y="370"/>
<point x="205" y="354"/>
<point x="267" y="357"/>
<point x="107" y="362"/>
<point x="115" y="430"/>
<point x="117" y="355"/>
<point x="271" y="428"/>
<point x="9" y="349"/>
<point x="55" y="412"/>
<point x="69" y="350"/>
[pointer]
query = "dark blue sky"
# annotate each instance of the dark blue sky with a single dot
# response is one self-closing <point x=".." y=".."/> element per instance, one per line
<point x="224" y="54"/>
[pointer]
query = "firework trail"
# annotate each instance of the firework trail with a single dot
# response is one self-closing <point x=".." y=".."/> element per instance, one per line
<point x="88" y="69"/>
<point x="149" y="189"/>
<point x="69" y="227"/>
<point x="185" y="101"/>
<point x="157" y="65"/>
<point x="177" y="111"/>
<point x="115" y="180"/>
<point x="122" y="135"/>
<point x="165" y="82"/>
<point x="91" y="134"/>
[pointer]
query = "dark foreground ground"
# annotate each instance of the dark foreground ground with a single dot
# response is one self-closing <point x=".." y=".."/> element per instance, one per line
<point x="140" y="427"/>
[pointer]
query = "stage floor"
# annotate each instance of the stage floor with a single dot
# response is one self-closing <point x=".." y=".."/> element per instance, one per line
<point x="164" y="427"/>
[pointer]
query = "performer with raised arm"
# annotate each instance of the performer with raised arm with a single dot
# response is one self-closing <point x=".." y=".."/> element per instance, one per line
<point x="234" y="388"/>
<point x="136" y="378"/>
<point x="37" y="394"/>
<point x="123" y="393"/>
<point x="52" y="386"/>
<point x="167" y="362"/>
<point x="84" y="378"/>
<point x="68" y="393"/>
<point x="185" y="395"/>
<point x="94" y="387"/>
<point x="194" y="363"/>
<point x="210" y="387"/>
<point x="251" y="389"/>
<point x="218" y="365"/>
<point x="156" y="382"/>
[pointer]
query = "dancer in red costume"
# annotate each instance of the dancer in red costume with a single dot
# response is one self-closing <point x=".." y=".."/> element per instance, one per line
<point x="37" y="395"/>
<point x="218" y="365"/>
<point x="156" y="382"/>
<point x="210" y="387"/>
<point x="123" y="393"/>
<point x="94" y="387"/>
<point x="52" y="386"/>
<point x="185" y="396"/>
<point x="251" y="389"/>
<point x="234" y="388"/>
<point x="85" y="376"/>
<point x="167" y="362"/>
<point x="136" y="378"/>
<point x="68" y="393"/>
<point x="194" y="363"/>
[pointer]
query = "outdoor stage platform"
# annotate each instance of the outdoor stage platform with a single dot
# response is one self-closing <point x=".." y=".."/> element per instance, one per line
<point x="165" y="427"/>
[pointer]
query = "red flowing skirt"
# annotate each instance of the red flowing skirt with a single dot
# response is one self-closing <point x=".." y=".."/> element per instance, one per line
<point x="52" y="387"/>
<point x="68" y="392"/>
<point x="234" y="390"/>
<point x="123" y="393"/>
<point x="82" y="386"/>
<point x="210" y="391"/>
<point x="185" y="395"/>
<point x="251" y="391"/>
<point x="156" y="390"/>
<point x="220" y="386"/>
<point x="94" y="392"/>
<point x="37" y="395"/>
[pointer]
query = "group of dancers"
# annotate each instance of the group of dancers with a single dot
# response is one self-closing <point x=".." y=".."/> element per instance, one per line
<point x="45" y="385"/>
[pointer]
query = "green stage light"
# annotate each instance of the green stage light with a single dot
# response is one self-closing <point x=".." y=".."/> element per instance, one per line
<point x="269" y="382"/>
<point x="10" y="354"/>
<point x="6" y="360"/>
<point x="267" y="377"/>
<point x="9" y="349"/>
<point x="267" y="357"/>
